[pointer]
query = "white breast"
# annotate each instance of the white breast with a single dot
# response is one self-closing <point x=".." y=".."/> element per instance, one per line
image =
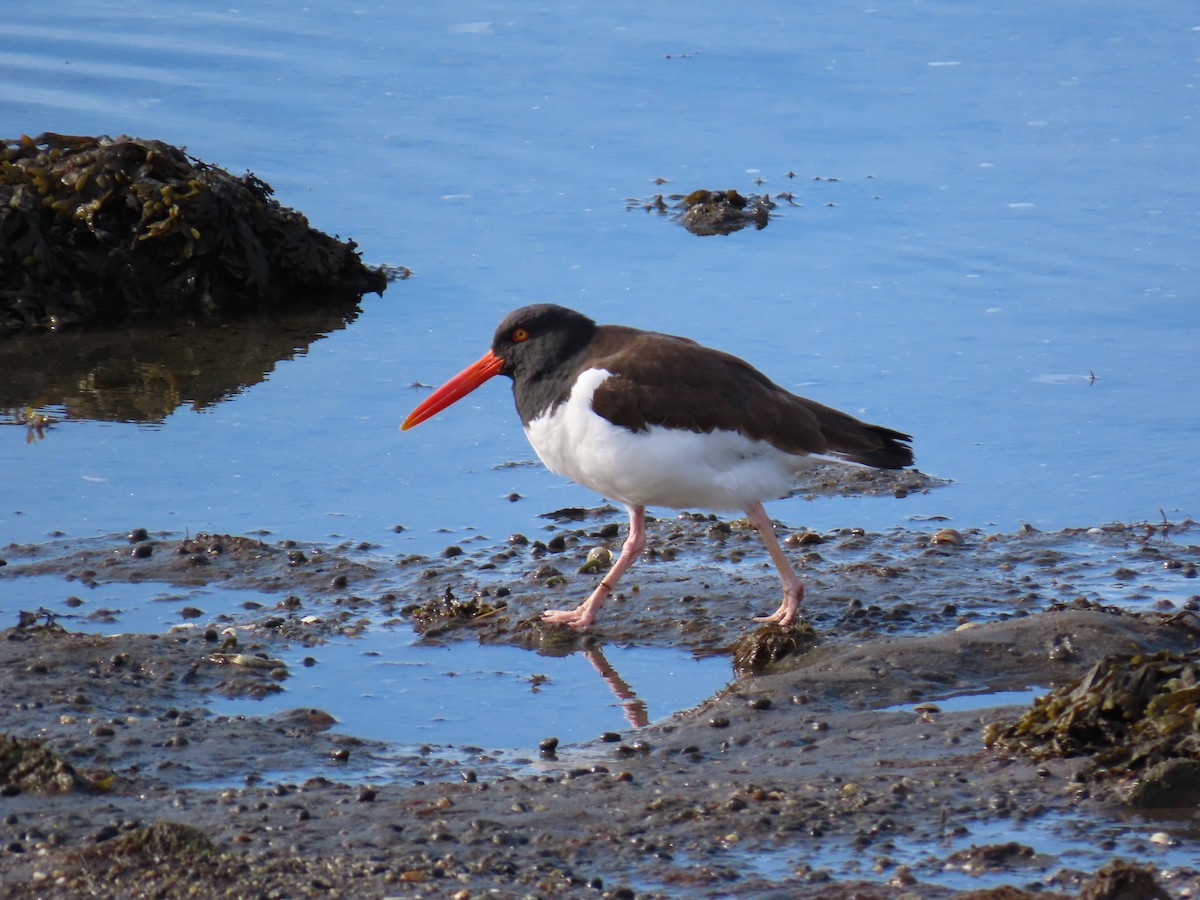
<point x="721" y="470"/>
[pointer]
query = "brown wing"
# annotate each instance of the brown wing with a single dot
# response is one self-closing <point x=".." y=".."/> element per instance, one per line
<point x="674" y="382"/>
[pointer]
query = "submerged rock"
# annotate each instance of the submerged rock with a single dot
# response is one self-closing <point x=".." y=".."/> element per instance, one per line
<point x="105" y="229"/>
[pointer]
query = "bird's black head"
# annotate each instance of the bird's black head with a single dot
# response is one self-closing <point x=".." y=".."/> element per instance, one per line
<point x="536" y="340"/>
<point x="539" y="345"/>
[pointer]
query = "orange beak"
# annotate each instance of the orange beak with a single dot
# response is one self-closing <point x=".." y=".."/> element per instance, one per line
<point x="455" y="389"/>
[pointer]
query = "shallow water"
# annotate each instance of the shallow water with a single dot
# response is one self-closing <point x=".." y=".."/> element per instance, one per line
<point x="994" y="250"/>
<point x="1062" y="844"/>
<point x="384" y="689"/>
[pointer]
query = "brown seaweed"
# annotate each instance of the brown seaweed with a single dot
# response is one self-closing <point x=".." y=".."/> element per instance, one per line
<point x="1128" y="713"/>
<point x="100" y="229"/>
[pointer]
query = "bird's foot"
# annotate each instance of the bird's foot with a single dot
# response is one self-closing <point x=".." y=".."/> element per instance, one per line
<point x="584" y="614"/>
<point x="786" y="614"/>
<point x="781" y="617"/>
<point x="579" y="618"/>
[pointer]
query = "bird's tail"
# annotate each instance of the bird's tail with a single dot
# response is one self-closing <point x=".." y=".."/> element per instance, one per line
<point x="879" y="447"/>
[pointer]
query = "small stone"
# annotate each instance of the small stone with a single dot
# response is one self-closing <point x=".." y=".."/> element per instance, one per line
<point x="947" y="537"/>
<point x="1172" y="783"/>
<point x="803" y="539"/>
<point x="599" y="559"/>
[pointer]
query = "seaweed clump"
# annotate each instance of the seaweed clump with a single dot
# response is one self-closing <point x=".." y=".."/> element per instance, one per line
<point x="100" y="229"/>
<point x="161" y="840"/>
<point x="756" y="652"/>
<point x="440" y="614"/>
<point x="705" y="213"/>
<point x="1128" y="713"/>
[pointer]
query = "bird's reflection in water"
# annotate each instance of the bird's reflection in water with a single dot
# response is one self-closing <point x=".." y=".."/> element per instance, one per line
<point x="634" y="709"/>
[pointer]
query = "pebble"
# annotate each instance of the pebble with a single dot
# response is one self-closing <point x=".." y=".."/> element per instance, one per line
<point x="947" y="537"/>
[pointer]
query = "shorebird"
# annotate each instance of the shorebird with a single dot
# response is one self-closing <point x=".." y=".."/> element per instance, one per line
<point x="651" y="419"/>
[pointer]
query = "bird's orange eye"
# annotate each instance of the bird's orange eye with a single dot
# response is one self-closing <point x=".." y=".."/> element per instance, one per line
<point x="519" y="334"/>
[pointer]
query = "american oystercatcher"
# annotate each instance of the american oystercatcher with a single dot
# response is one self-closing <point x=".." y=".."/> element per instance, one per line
<point x="651" y="419"/>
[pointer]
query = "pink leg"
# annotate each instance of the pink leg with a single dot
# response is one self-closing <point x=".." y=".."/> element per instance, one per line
<point x="793" y="588"/>
<point x="585" y="613"/>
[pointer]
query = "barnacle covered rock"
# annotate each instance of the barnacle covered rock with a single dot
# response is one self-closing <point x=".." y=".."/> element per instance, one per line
<point x="103" y="229"/>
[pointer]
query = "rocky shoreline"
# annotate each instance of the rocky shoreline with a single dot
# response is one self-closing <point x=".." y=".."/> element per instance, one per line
<point x="832" y="773"/>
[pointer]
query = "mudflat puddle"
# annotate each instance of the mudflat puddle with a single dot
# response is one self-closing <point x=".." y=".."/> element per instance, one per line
<point x="383" y="683"/>
<point x="382" y="686"/>
<point x="987" y="854"/>
<point x="972" y="702"/>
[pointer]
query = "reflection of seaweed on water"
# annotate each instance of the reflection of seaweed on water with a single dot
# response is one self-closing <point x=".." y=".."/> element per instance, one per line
<point x="101" y="229"/>
<point x="143" y="374"/>
<point x="35" y="422"/>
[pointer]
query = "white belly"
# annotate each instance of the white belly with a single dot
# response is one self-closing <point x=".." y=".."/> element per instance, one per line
<point x="721" y="470"/>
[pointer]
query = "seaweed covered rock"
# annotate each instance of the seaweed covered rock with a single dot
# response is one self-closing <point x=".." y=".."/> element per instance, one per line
<point x="755" y="652"/>
<point x="161" y="840"/>
<point x="1128" y="713"/>
<point x="705" y="213"/>
<point x="105" y="229"/>
<point x="25" y="765"/>
<point x="724" y="212"/>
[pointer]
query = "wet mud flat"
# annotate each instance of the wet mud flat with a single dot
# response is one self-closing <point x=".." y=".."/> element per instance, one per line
<point x="844" y="767"/>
